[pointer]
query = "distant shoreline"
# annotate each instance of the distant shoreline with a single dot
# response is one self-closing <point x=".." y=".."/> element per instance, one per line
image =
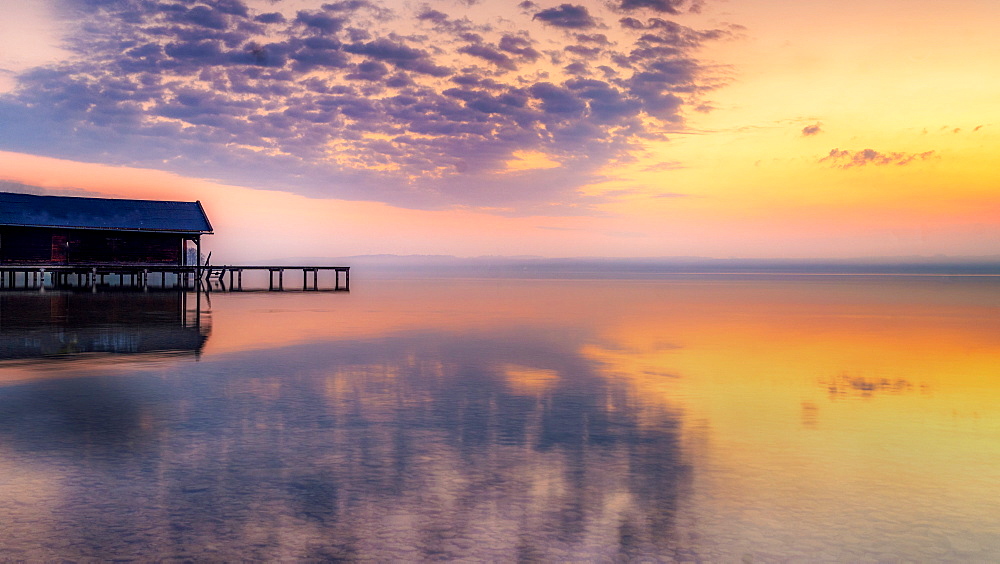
<point x="535" y="267"/>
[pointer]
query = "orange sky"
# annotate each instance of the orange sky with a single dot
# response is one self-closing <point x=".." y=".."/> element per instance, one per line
<point x="832" y="129"/>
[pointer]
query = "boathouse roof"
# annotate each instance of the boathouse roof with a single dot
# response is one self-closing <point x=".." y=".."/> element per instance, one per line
<point x="27" y="210"/>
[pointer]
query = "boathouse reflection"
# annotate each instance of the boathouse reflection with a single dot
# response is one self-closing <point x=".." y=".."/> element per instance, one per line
<point x="65" y="324"/>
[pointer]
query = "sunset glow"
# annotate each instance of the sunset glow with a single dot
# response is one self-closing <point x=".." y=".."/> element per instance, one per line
<point x="761" y="128"/>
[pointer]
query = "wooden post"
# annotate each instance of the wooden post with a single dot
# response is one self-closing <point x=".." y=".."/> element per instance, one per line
<point x="197" y="307"/>
<point x="305" y="278"/>
<point x="281" y="277"/>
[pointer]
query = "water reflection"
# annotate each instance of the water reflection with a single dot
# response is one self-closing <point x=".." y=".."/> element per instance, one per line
<point x="709" y="420"/>
<point x="408" y="447"/>
<point x="63" y="325"/>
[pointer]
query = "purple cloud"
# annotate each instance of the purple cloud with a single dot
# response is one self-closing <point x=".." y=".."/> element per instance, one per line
<point x="368" y="70"/>
<point x="332" y="101"/>
<point x="434" y="16"/>
<point x="519" y="46"/>
<point x="810" y="130"/>
<point x="319" y="22"/>
<point x="567" y="16"/>
<point x="490" y="54"/>
<point x="673" y="7"/>
<point x="849" y="159"/>
<point x="596" y="38"/>
<point x="270" y="18"/>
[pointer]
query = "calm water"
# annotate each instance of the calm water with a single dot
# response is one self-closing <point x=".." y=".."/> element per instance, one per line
<point x="691" y="418"/>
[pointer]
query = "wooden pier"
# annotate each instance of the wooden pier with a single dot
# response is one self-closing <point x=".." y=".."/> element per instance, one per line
<point x="276" y="276"/>
<point x="145" y="276"/>
<point x="68" y="242"/>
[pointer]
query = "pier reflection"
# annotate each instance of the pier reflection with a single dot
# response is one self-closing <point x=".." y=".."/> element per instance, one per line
<point x="35" y="325"/>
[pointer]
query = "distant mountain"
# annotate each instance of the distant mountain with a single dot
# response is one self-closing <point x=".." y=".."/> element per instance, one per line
<point x="540" y="267"/>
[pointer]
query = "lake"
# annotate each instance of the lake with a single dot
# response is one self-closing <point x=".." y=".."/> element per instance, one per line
<point x="692" y="418"/>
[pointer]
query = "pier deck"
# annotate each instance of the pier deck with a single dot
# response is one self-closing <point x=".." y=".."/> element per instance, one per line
<point x="235" y="273"/>
<point x="36" y="276"/>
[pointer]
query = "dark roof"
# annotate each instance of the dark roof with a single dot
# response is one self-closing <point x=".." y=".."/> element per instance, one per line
<point x="27" y="210"/>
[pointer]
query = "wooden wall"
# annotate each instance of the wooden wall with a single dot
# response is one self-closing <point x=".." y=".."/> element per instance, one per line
<point x="29" y="245"/>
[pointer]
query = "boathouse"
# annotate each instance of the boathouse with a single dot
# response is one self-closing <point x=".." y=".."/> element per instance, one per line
<point x="73" y="231"/>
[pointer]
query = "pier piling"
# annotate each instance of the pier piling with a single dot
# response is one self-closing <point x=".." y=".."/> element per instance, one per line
<point x="91" y="276"/>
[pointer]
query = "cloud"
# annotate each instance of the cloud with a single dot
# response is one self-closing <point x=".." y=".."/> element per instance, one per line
<point x="596" y="38"/>
<point x="567" y="16"/>
<point x="849" y="159"/>
<point x="490" y="54"/>
<point x="319" y="22"/>
<point x="583" y="51"/>
<point x="270" y="18"/>
<point x="673" y="7"/>
<point x="334" y="100"/>
<point x="368" y="70"/>
<point x="399" y="54"/>
<point x="520" y="46"/>
<point x="810" y="130"/>
<point x="664" y="166"/>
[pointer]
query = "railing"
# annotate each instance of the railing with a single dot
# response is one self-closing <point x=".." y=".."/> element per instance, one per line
<point x="144" y="276"/>
<point x="236" y="275"/>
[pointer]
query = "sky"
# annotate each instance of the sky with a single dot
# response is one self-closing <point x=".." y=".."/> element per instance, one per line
<point x="618" y="128"/>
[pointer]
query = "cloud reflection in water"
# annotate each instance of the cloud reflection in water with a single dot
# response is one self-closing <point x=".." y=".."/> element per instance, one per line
<point x="411" y="446"/>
